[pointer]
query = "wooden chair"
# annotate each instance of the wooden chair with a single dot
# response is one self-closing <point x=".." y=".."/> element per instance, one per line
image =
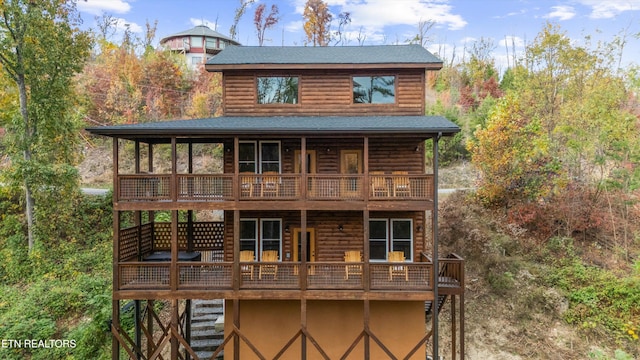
<point x="352" y="256"/>
<point x="379" y="186"/>
<point x="401" y="185"/>
<point x="269" y="256"/>
<point x="247" y="269"/>
<point x="397" y="270"/>
<point x="270" y="185"/>
<point x="246" y="184"/>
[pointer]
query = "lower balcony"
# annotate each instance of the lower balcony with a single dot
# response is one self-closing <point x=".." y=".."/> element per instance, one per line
<point x="286" y="279"/>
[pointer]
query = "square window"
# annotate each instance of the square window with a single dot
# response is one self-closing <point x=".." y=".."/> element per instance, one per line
<point x="374" y="89"/>
<point x="277" y="90"/>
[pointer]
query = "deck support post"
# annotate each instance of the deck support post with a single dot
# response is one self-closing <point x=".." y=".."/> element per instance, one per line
<point x="150" y="343"/>
<point x="436" y="268"/>
<point x="367" y="330"/>
<point x="174" y="329"/>
<point x="303" y="270"/>
<point x="115" y="325"/>
<point x="138" y="330"/>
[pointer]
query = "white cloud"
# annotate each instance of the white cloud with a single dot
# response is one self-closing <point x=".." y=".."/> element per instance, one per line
<point x="374" y="15"/>
<point x="610" y="8"/>
<point x="121" y="24"/>
<point x="98" y="7"/>
<point x="561" y="12"/>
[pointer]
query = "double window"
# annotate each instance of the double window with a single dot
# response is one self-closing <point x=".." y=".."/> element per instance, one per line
<point x="390" y="235"/>
<point x="259" y="156"/>
<point x="260" y="235"/>
<point x="374" y="89"/>
<point x="277" y="90"/>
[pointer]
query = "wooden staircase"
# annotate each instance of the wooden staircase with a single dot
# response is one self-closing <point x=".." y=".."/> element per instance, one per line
<point x="205" y="335"/>
<point x="428" y="306"/>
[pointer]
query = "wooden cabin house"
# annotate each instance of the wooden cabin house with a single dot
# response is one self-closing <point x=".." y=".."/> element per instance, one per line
<point x="327" y="241"/>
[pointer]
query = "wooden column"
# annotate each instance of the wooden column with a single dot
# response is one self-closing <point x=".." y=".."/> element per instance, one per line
<point x="303" y="271"/>
<point x="173" y="273"/>
<point x="115" y="325"/>
<point x="174" y="329"/>
<point x="365" y="221"/>
<point x="436" y="269"/>
<point x="367" y="341"/>
<point x="115" y="304"/>
<point x="151" y="213"/>
<point x="190" y="211"/>
<point x="150" y="343"/>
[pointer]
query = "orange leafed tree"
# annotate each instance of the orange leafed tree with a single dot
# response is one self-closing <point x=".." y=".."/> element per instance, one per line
<point x="317" y="23"/>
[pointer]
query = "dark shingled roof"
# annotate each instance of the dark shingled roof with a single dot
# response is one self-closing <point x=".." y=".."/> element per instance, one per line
<point x="304" y="55"/>
<point x="287" y="125"/>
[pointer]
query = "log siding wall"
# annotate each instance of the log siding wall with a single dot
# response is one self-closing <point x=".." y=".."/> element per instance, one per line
<point x="385" y="154"/>
<point x="323" y="93"/>
<point x="331" y="243"/>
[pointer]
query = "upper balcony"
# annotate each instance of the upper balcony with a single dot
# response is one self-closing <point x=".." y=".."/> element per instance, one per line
<point x="229" y="191"/>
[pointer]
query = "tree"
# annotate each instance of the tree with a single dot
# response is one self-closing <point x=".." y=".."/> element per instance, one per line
<point x="41" y="49"/>
<point x="236" y="19"/>
<point x="317" y="22"/>
<point x="263" y="23"/>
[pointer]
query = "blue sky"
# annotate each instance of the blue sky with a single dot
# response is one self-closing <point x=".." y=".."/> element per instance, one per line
<point x="458" y="23"/>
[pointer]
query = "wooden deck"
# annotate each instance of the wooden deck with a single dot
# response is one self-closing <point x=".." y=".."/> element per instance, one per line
<point x="286" y="280"/>
<point x="283" y="187"/>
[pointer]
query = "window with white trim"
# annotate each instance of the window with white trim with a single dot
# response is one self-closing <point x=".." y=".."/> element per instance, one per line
<point x="259" y="156"/>
<point x="266" y="237"/>
<point x="390" y="235"/>
<point x="271" y="235"/>
<point x="378" y="239"/>
<point x="249" y="235"/>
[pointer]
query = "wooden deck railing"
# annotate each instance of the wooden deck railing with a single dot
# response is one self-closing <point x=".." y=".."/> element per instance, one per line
<point x="217" y="276"/>
<point x="228" y="187"/>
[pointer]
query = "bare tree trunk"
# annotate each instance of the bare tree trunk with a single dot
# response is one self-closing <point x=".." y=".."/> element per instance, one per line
<point x="28" y="131"/>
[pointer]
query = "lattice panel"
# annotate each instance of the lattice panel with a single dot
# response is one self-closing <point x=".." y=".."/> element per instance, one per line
<point x="146" y="234"/>
<point x="128" y="244"/>
<point x="206" y="236"/>
<point x="161" y="236"/>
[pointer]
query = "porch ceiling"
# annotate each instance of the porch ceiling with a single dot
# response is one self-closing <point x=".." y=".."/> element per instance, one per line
<point x="284" y="126"/>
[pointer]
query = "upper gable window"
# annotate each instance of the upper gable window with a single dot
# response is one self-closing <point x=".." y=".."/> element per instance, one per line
<point x="278" y="90"/>
<point x="374" y="89"/>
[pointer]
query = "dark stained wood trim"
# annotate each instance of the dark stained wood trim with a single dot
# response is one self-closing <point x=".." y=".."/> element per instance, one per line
<point x="267" y="205"/>
<point x="275" y="295"/>
<point x="233" y="67"/>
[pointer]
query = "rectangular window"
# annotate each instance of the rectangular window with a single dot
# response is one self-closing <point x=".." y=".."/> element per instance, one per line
<point x="374" y="89"/>
<point x="277" y="90"/>
<point x="393" y="234"/>
<point x="247" y="154"/>
<point x="211" y="43"/>
<point x="248" y="235"/>
<point x="266" y="160"/>
<point x="401" y="237"/>
<point x="271" y="235"/>
<point x="378" y="238"/>
<point x="196" y="41"/>
<point x="196" y="60"/>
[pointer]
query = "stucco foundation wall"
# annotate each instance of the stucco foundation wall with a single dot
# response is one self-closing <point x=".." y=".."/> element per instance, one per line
<point x="334" y="325"/>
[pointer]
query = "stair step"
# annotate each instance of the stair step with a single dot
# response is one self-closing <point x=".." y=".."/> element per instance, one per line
<point x="205" y="334"/>
<point x="207" y="310"/>
<point x="204" y="318"/>
<point x="206" y="355"/>
<point x="207" y="344"/>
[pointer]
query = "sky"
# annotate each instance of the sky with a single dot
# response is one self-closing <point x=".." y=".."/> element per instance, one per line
<point x="507" y="25"/>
